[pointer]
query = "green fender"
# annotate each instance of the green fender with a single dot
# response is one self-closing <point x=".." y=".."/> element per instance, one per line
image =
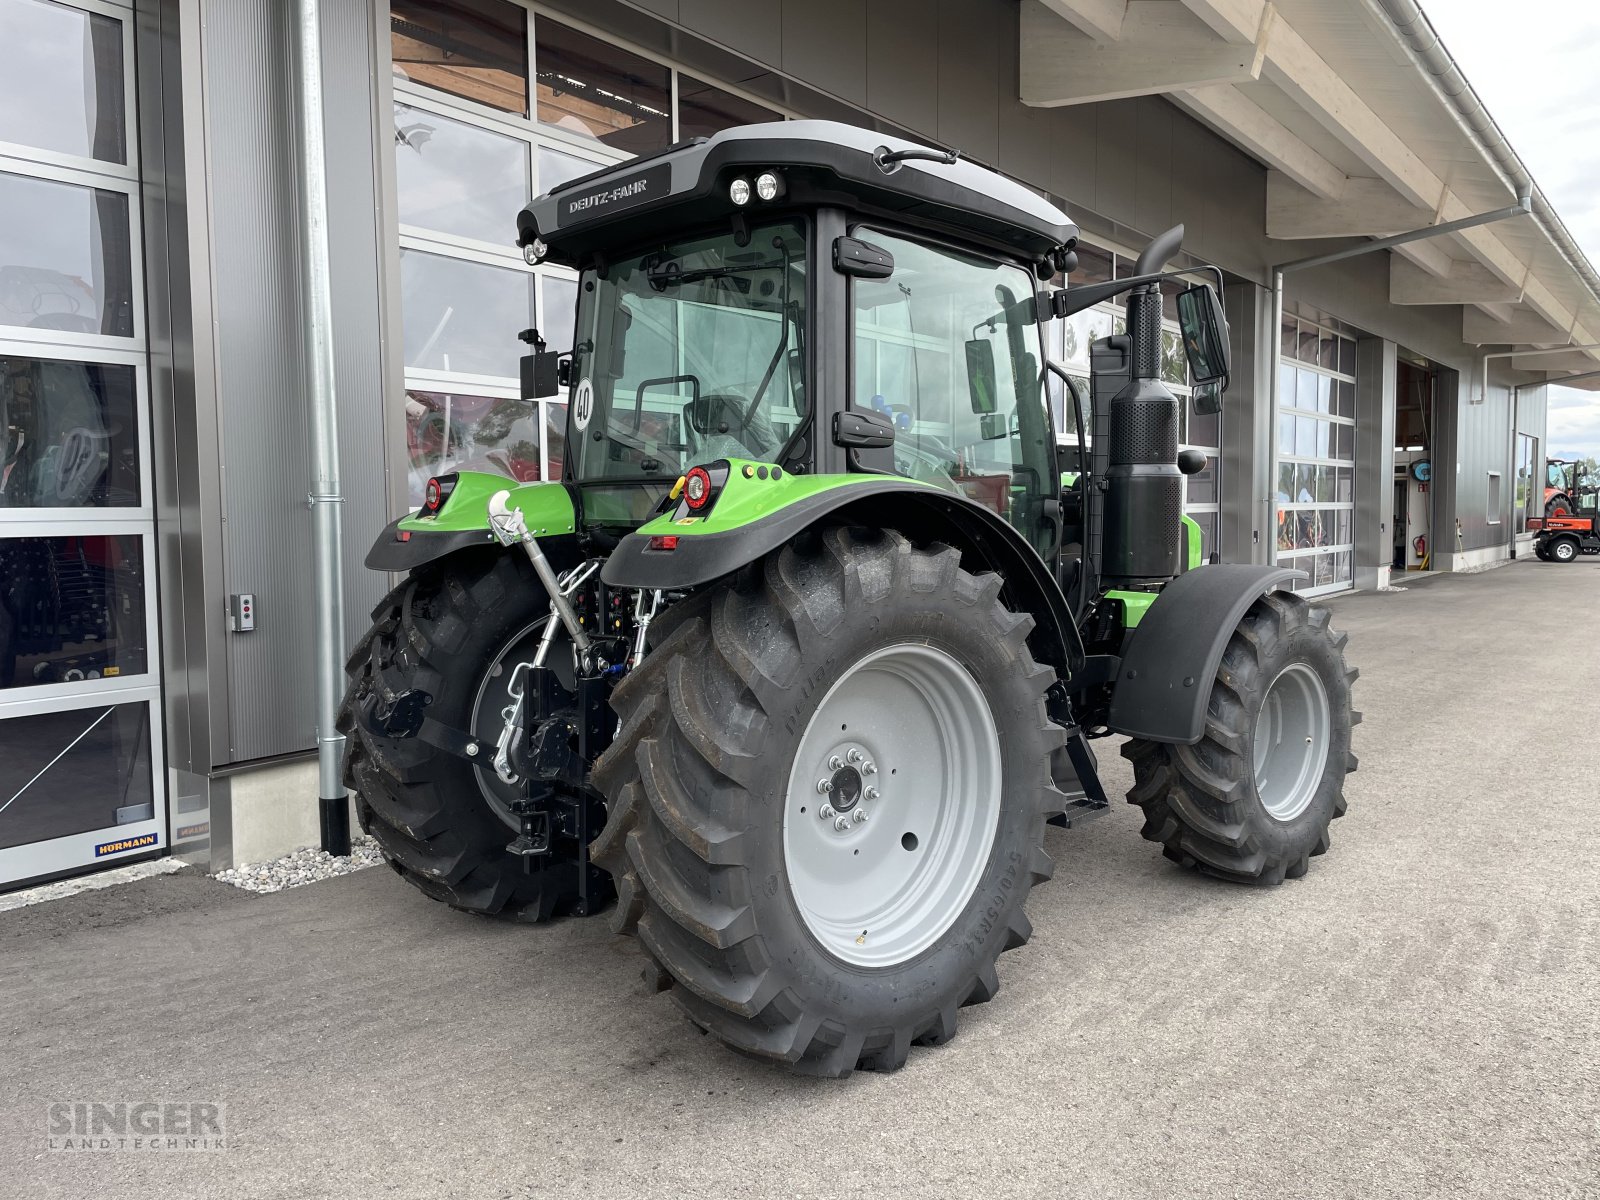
<point x="463" y="521"/>
<point x="758" y="508"/>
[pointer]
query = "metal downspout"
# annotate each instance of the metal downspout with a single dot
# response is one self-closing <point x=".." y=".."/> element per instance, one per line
<point x="325" y="497"/>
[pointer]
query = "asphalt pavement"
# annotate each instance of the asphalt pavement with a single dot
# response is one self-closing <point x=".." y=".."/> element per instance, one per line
<point x="1415" y="1017"/>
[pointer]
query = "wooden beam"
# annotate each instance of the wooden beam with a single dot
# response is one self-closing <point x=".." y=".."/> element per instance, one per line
<point x="1429" y="256"/>
<point x="1162" y="48"/>
<point x="1467" y="283"/>
<point x="1236" y="21"/>
<point x="1306" y="77"/>
<point x="1098" y="19"/>
<point x="1366" y="208"/>
<point x="1235" y="116"/>
<point x="1518" y="326"/>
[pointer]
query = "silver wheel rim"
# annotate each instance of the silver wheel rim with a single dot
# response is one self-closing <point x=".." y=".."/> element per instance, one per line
<point x="892" y="806"/>
<point x="491" y="698"/>
<point x="1293" y="732"/>
<point x="1565" y="552"/>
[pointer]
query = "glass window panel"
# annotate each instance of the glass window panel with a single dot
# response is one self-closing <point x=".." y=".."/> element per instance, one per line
<point x="69" y="435"/>
<point x="1306" y="390"/>
<point x="457" y="179"/>
<point x="1324" y="394"/>
<point x="1094" y="265"/>
<point x="61" y="88"/>
<point x="71" y="608"/>
<point x="463" y="316"/>
<point x="558" y="307"/>
<point x="1285" y="530"/>
<point x="593" y="89"/>
<point x="1305" y="484"/>
<point x="1305" y="529"/>
<point x="1291" y="337"/>
<point x="1285" y="482"/>
<point x="1344" y="402"/>
<point x="452" y="432"/>
<point x="1305" y="436"/>
<point x="1347" y="357"/>
<point x="1203" y="484"/>
<point x="555" y="440"/>
<point x="1343" y="524"/>
<point x="65" y="261"/>
<point x="1325" y="485"/>
<point x="1174" y="362"/>
<point x="1328" y="350"/>
<point x="1322" y="572"/>
<point x="1344" y="441"/>
<point x="556" y="168"/>
<point x="704" y="110"/>
<point x="72" y="772"/>
<point x="1208" y="533"/>
<point x="1205" y="429"/>
<point x="1341" y="566"/>
<point x="475" y="49"/>
<point x="1344" y="487"/>
<point x="1309" y="340"/>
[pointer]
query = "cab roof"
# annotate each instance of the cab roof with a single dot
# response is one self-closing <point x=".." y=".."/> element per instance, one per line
<point x="819" y="163"/>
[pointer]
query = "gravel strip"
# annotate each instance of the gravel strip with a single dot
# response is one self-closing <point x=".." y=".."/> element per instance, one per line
<point x="301" y="867"/>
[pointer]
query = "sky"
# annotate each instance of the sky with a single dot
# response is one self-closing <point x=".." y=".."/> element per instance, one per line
<point x="1534" y="66"/>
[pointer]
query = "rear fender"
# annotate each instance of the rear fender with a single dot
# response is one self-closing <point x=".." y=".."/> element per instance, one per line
<point x="757" y="513"/>
<point x="462" y="521"/>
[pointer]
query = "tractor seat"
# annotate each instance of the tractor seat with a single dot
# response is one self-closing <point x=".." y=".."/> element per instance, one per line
<point x="716" y="428"/>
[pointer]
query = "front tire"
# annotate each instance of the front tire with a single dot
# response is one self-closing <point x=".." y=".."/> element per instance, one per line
<point x="1564" y="550"/>
<point x="1253" y="799"/>
<point x="790" y="934"/>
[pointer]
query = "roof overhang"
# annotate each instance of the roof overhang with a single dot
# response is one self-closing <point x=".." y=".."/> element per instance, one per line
<point x="1357" y="137"/>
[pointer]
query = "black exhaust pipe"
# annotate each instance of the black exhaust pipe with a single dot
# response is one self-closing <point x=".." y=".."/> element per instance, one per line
<point x="1144" y="488"/>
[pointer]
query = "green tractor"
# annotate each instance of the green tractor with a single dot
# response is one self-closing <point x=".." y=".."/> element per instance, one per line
<point x="811" y="640"/>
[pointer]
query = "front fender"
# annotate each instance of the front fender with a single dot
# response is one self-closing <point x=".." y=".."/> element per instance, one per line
<point x="1171" y="657"/>
<point x="463" y="521"/>
<point x="754" y="515"/>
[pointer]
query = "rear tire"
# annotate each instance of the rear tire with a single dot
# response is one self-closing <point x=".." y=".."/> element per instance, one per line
<point x="1564" y="550"/>
<point x="1249" y="802"/>
<point x="712" y="794"/>
<point x="444" y="631"/>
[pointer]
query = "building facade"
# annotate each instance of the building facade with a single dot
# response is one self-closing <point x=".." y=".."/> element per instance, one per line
<point x="155" y="540"/>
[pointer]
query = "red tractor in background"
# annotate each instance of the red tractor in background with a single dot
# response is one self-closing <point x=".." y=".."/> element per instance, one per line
<point x="1571" y="525"/>
<point x="1560" y="487"/>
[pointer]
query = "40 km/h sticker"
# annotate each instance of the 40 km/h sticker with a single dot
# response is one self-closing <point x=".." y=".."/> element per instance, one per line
<point x="582" y="405"/>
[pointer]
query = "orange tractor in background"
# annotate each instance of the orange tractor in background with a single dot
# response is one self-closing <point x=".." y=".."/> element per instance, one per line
<point x="1571" y="524"/>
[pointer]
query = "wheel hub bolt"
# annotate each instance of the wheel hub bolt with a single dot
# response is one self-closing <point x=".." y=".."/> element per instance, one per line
<point x="870" y="794"/>
<point x="869" y="767"/>
<point x="860" y="815"/>
<point x="825" y="811"/>
<point x="835" y="763"/>
<point x="841" y="823"/>
<point x="825" y="785"/>
<point x="853" y="754"/>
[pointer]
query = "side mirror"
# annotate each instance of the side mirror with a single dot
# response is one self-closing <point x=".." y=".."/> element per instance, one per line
<point x="982" y="388"/>
<point x="1208" y="400"/>
<point x="1205" y="335"/>
<point x="541" y="374"/>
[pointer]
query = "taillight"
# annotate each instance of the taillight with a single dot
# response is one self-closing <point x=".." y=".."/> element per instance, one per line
<point x="436" y="493"/>
<point x="697" y="489"/>
<point x="664" y="541"/>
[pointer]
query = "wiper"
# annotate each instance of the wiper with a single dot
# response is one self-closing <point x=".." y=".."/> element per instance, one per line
<point x="670" y="273"/>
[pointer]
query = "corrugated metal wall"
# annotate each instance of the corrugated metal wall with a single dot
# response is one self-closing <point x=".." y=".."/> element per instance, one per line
<point x="264" y="447"/>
